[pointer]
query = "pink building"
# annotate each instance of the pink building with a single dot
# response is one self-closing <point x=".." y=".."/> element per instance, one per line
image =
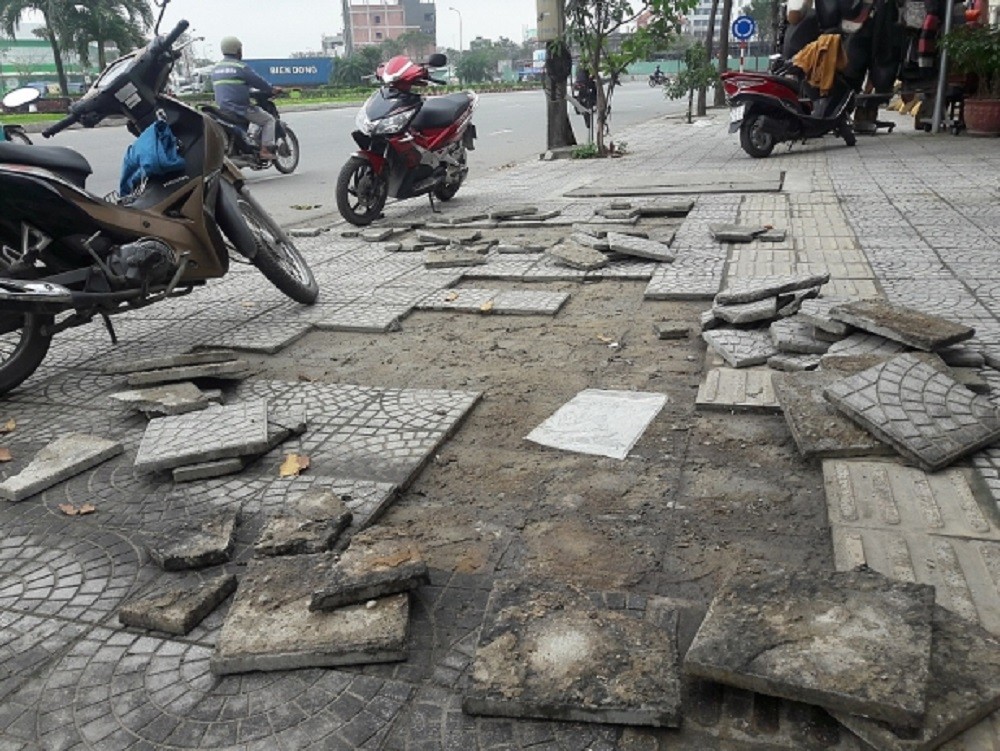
<point x="373" y="23"/>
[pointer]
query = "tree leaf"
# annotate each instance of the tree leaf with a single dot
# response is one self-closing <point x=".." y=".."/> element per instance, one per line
<point x="293" y="465"/>
<point x="69" y="509"/>
<point x="5" y="454"/>
<point x="8" y="427"/>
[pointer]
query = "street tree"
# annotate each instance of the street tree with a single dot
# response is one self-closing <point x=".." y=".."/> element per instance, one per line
<point x="697" y="73"/>
<point x="121" y="23"/>
<point x="593" y="24"/>
<point x="475" y="65"/>
<point x="52" y="12"/>
<point x="416" y="44"/>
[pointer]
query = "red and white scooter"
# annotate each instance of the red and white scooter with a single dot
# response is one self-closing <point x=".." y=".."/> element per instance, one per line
<point x="410" y="144"/>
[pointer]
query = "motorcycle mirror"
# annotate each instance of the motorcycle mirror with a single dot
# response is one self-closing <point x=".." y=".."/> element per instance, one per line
<point x="20" y="97"/>
<point x="437" y="60"/>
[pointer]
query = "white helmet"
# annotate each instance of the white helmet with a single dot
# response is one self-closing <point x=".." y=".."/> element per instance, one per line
<point x="231" y="46"/>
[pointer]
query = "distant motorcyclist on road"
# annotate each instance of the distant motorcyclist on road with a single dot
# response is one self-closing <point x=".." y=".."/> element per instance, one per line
<point x="232" y="80"/>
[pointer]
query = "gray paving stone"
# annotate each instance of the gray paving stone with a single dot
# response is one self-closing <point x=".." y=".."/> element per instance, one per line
<point x="964" y="688"/>
<point x="528" y="302"/>
<point x="196" y="542"/>
<point x="215" y="433"/>
<point x="796" y="337"/>
<point x="377" y="235"/>
<point x="311" y="524"/>
<point x="737" y="391"/>
<point x="517" y="249"/>
<point x="637" y="246"/>
<point x="373" y="319"/>
<point x="749" y="290"/>
<point x="432" y="238"/>
<point x="735" y="233"/>
<point x="772" y="236"/>
<point x="627" y="214"/>
<point x="576" y="256"/>
<point x="452" y="256"/>
<point x="467" y="237"/>
<point x="741" y="348"/>
<point x="177" y="610"/>
<point x="902" y="324"/>
<point x="707" y="320"/>
<point x="802" y="637"/>
<point x="305" y="231"/>
<point x="513" y="211"/>
<point x="690" y="277"/>
<point x="962" y="357"/>
<point x="461" y="299"/>
<point x="269" y="625"/>
<point x="589" y="241"/>
<point x="789" y="305"/>
<point x="563" y="654"/>
<point x="63" y="458"/>
<point x="919" y="410"/>
<point x="172" y="399"/>
<point x="232" y="370"/>
<point x="468" y="218"/>
<point x="674" y="182"/>
<point x="377" y="563"/>
<point x="749" y="312"/>
<point x="672" y="330"/>
<point x="665" y="209"/>
<point x="208" y="470"/>
<point x="168" y="361"/>
<point x="818" y="428"/>
<point x="793" y="363"/>
<point x="860" y="347"/>
<point x="601" y="229"/>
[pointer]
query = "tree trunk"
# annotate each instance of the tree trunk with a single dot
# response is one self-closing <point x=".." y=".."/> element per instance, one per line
<point x="691" y="100"/>
<point x="709" y="43"/>
<point x="559" y="130"/>
<point x="727" y="12"/>
<point x="601" y="114"/>
<point x="102" y="56"/>
<point x="57" y="56"/>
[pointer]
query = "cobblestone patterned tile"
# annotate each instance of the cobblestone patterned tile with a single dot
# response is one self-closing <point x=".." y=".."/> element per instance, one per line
<point x="27" y="644"/>
<point x="120" y="690"/>
<point x="528" y="302"/>
<point x="922" y="412"/>
<point x="268" y="335"/>
<point x="690" y="277"/>
<point x="364" y="318"/>
<point x="464" y="300"/>
<point x="741" y="348"/>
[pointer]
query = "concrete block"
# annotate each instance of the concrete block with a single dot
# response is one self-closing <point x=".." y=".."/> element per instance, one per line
<point x="730" y="390"/>
<point x="270" y="627"/>
<point x="60" y="460"/>
<point x="640" y="248"/>
<point x="169" y="361"/>
<point x="795" y="336"/>
<point x="576" y="256"/>
<point x="901" y="324"/>
<point x="514" y="211"/>
<point x="741" y="348"/>
<point x="208" y="470"/>
<point x="758" y="288"/>
<point x="194" y="543"/>
<point x="452" y="256"/>
<point x="177" y="610"/>
<point x="749" y="312"/>
<point x="311" y="525"/>
<point x="171" y="399"/>
<point x="671" y="330"/>
<point x="231" y="370"/>
<point x="377" y="563"/>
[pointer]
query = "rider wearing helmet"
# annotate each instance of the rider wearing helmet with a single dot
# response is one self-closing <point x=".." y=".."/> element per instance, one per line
<point x="232" y="80"/>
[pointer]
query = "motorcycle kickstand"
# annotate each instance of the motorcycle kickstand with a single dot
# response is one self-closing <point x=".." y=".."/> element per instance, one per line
<point x="110" y="327"/>
<point x="434" y="209"/>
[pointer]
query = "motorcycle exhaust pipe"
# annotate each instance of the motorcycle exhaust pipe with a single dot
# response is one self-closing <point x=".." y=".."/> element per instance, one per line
<point x="36" y="297"/>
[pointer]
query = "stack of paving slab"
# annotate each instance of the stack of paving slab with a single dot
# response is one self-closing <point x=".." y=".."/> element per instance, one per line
<point x="898" y="670"/>
<point x="155" y="371"/>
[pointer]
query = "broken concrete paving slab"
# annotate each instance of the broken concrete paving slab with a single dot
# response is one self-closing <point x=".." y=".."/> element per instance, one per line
<point x="63" y="458"/>
<point x="576" y="256"/>
<point x="964" y="688"/>
<point x="818" y="428"/>
<point x="462" y="300"/>
<point x="377" y="235"/>
<point x="908" y="326"/>
<point x="377" y="563"/>
<point x="961" y="357"/>
<point x="601" y="230"/>
<point x="597" y="243"/>
<point x="617" y="214"/>
<point x="817" y="312"/>
<point x="455" y="219"/>
<point x="796" y="337"/>
<point x="600" y="422"/>
<point x="526" y="302"/>
<point x="170" y="361"/>
<point x="468" y="237"/>
<point x="232" y="370"/>
<point x="854" y="641"/>
<point x="169" y="399"/>
<point x="312" y="524"/>
<point x="432" y="238"/>
<point x="270" y="627"/>
<point x="208" y="470"/>
<point x="789" y="363"/>
<point x="640" y="248"/>
<point x="729" y="390"/>
<point x="220" y="432"/>
<point x="757" y="288"/>
<point x="559" y="653"/>
<point x="665" y="209"/>
<point x="790" y="304"/>
<point x="195" y="542"/>
<point x="453" y="256"/>
<point x="671" y="330"/>
<point x="741" y="348"/>
<point x="708" y="321"/>
<point x="919" y="409"/>
<point x="179" y="609"/>
<point x="735" y="233"/>
<point x="748" y="312"/>
<point x="772" y="236"/>
<point x="512" y="212"/>
<point x="859" y="348"/>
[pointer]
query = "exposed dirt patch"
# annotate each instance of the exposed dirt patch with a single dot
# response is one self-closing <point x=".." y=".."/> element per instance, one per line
<point x="697" y="491"/>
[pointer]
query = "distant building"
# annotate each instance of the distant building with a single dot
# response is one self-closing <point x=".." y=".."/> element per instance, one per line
<point x="372" y="23"/>
<point x="333" y="45"/>
<point x="27" y="58"/>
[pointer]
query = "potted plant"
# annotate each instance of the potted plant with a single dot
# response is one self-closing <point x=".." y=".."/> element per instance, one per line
<point x="974" y="49"/>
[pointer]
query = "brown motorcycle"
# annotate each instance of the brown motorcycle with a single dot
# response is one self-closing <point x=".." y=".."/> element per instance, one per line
<point x="68" y="256"/>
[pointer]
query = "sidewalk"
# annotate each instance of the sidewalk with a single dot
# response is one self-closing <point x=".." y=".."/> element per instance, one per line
<point x="913" y="217"/>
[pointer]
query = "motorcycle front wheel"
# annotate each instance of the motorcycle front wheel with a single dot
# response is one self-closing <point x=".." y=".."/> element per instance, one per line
<point x="754" y="140"/>
<point x="287" y="148"/>
<point x="24" y="341"/>
<point x="361" y="194"/>
<point x="275" y="255"/>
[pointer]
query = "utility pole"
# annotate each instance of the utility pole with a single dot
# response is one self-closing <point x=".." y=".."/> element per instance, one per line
<point x="709" y="46"/>
<point x="727" y="14"/>
<point x="348" y="34"/>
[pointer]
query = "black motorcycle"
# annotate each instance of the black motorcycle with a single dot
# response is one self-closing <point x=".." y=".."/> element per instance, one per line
<point x="243" y="138"/>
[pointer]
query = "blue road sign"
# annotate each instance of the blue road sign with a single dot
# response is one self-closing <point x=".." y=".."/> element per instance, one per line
<point x="744" y="28"/>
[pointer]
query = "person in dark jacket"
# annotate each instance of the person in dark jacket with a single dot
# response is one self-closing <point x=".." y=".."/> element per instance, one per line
<point x="232" y="80"/>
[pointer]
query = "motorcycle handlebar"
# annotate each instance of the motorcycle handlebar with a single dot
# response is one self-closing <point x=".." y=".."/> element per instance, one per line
<point x="70" y="119"/>
<point x="168" y="41"/>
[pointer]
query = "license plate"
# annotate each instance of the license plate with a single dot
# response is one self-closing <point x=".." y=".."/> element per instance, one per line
<point x="736" y="113"/>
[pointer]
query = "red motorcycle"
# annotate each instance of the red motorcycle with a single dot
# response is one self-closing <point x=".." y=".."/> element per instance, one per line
<point x="410" y="145"/>
<point x="769" y="108"/>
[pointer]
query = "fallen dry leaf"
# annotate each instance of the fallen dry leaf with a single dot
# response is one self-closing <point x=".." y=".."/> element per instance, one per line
<point x="604" y="339"/>
<point x="70" y="510"/>
<point x="486" y="307"/>
<point x="8" y="427"/>
<point x="451" y="297"/>
<point x="293" y="465"/>
<point x="5" y="454"/>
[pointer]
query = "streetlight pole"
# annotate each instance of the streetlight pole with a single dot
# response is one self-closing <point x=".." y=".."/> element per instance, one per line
<point x="459" y="26"/>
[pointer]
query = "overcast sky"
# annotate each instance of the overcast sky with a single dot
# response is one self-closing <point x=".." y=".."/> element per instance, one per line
<point x="280" y="27"/>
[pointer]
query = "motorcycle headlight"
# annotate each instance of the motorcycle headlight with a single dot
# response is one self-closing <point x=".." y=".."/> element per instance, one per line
<point x="362" y="123"/>
<point x="393" y="124"/>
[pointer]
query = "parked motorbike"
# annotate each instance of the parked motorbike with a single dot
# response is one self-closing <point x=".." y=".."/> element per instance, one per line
<point x="243" y="137"/>
<point x="68" y="256"/>
<point x="771" y="108"/>
<point x="13" y="100"/>
<point x="409" y="144"/>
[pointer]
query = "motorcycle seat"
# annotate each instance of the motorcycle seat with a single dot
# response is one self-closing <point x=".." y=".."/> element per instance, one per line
<point x="66" y="163"/>
<point x="441" y="111"/>
<point x="229" y="117"/>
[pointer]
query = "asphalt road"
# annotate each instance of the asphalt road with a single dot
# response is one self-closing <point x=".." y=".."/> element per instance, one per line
<point x="511" y="129"/>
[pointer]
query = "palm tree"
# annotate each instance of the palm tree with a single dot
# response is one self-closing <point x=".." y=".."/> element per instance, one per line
<point x="123" y="23"/>
<point x="52" y="12"/>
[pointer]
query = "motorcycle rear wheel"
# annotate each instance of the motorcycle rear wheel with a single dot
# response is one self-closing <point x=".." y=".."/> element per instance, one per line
<point x="23" y="346"/>
<point x="276" y="256"/>
<point x="287" y="149"/>
<point x="447" y="191"/>
<point x="754" y="140"/>
<point x="361" y="194"/>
